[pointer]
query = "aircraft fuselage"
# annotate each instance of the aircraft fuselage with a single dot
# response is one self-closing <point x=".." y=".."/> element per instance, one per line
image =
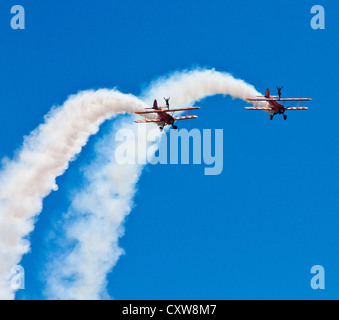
<point x="277" y="108"/>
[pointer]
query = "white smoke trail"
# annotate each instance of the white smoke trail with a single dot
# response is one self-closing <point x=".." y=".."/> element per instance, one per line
<point x="189" y="86"/>
<point x="93" y="224"/>
<point x="45" y="155"/>
<point x="102" y="206"/>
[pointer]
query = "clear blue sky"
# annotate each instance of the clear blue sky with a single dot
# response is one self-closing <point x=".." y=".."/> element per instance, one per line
<point x="254" y="231"/>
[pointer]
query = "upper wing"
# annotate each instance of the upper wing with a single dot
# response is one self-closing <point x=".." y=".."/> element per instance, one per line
<point x="158" y="120"/>
<point x="275" y="99"/>
<point x="294" y="99"/>
<point x="166" y="110"/>
<point x="258" y="108"/>
<point x="185" y="117"/>
<point x="296" y="108"/>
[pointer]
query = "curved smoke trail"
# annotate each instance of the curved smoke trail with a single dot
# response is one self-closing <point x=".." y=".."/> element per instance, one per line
<point x="45" y="155"/>
<point x="186" y="87"/>
<point x="98" y="210"/>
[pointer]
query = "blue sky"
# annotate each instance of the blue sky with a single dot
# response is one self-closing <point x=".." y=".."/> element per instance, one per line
<point x="253" y="232"/>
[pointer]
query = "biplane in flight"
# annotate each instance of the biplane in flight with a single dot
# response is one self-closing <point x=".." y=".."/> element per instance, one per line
<point x="274" y="106"/>
<point x="164" y="116"/>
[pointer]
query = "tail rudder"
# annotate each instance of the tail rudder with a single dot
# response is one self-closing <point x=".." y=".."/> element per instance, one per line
<point x="155" y="104"/>
<point x="267" y="94"/>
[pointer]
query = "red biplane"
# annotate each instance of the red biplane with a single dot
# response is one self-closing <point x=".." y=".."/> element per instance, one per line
<point x="273" y="107"/>
<point x="163" y="116"/>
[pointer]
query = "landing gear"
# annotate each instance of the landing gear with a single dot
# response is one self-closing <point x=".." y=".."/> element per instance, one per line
<point x="271" y="117"/>
<point x="285" y="116"/>
<point x="174" y="127"/>
<point x="161" y="128"/>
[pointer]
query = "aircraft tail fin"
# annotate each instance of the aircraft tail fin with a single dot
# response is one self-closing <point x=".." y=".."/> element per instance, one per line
<point x="267" y="94"/>
<point x="155" y="105"/>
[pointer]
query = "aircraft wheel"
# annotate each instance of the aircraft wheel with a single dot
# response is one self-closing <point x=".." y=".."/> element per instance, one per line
<point x="175" y="127"/>
<point x="161" y="128"/>
<point x="271" y="117"/>
<point x="285" y="116"/>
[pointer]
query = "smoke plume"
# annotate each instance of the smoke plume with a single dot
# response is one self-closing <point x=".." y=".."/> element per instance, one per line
<point x="45" y="155"/>
<point x="94" y="221"/>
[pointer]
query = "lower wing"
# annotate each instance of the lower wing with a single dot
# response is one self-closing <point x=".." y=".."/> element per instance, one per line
<point x="185" y="117"/>
<point x="149" y="120"/>
<point x="296" y="108"/>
